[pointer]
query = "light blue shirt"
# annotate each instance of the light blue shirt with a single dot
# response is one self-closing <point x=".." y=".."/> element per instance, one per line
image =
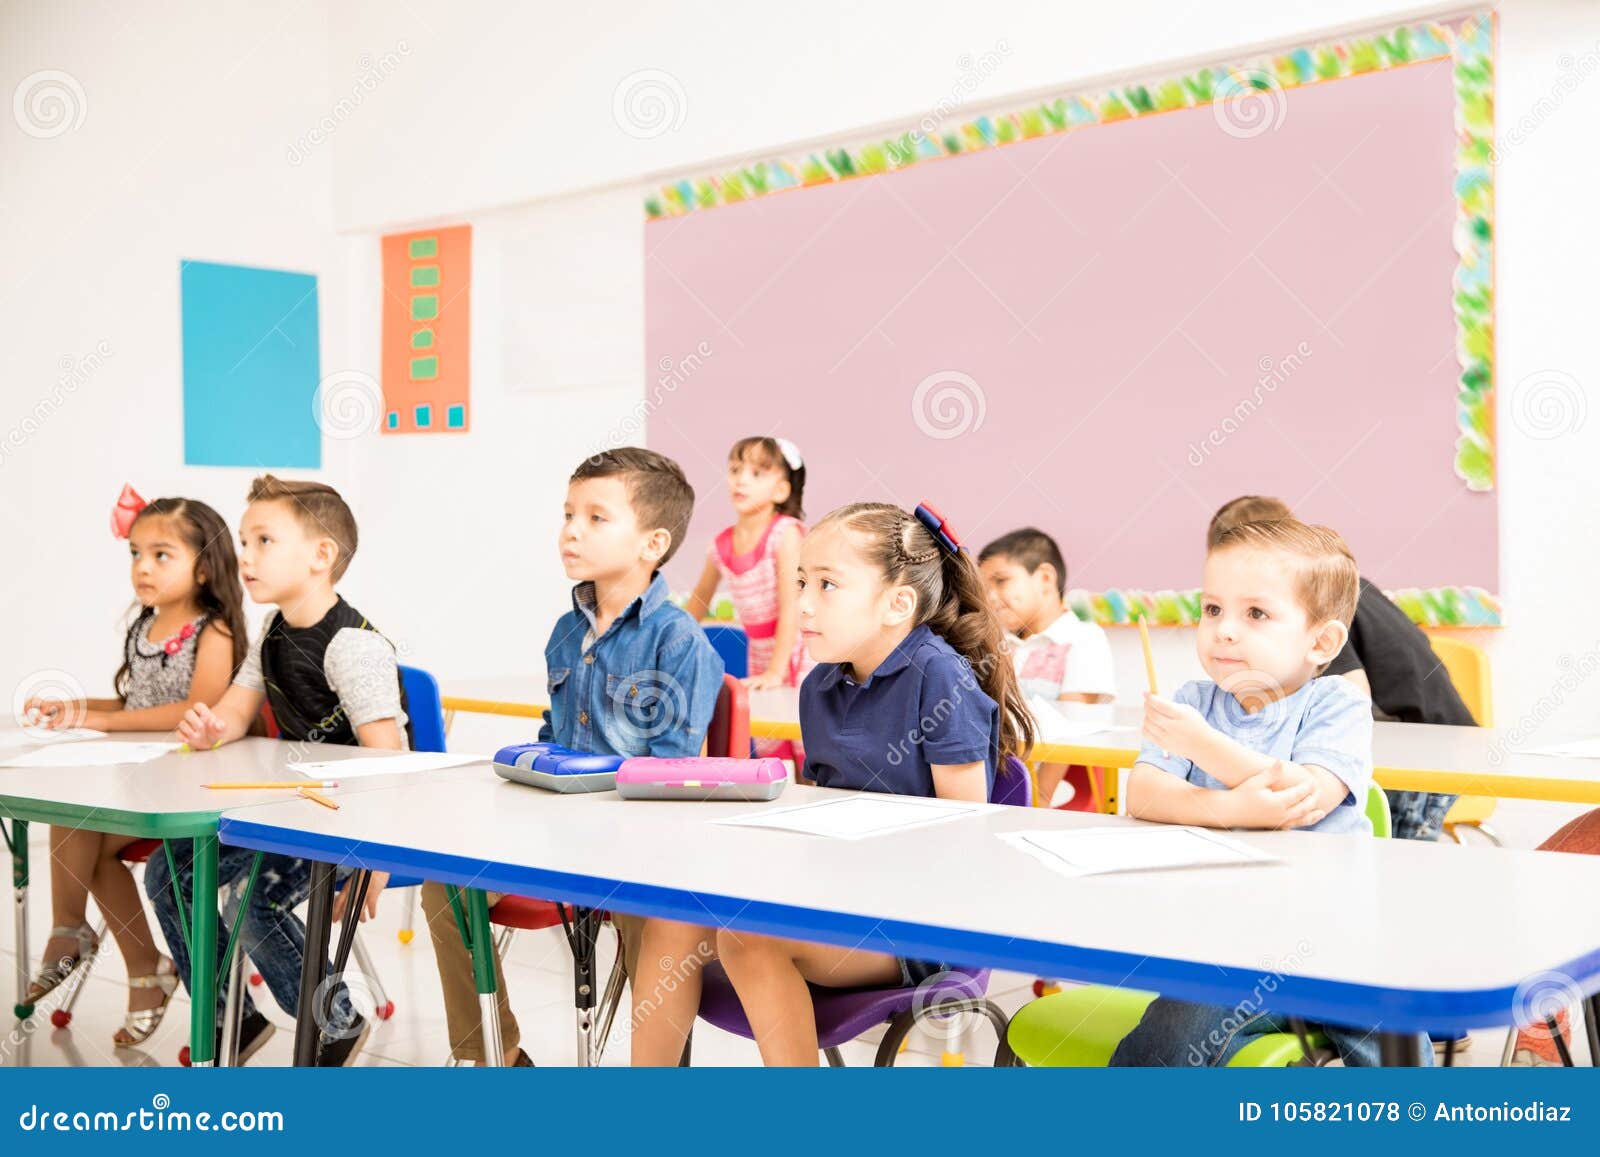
<point x="1327" y="723"/>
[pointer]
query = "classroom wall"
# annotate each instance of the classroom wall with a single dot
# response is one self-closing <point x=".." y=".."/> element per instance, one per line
<point x="503" y="115"/>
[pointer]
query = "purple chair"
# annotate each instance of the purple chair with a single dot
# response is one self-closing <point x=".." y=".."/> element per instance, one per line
<point x="843" y="1014"/>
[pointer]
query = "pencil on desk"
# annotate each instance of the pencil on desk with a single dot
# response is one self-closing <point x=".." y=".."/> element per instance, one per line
<point x="1149" y="656"/>
<point x="287" y="784"/>
<point x="316" y="798"/>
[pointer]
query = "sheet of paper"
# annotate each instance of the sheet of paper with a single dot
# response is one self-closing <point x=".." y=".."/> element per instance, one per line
<point x="88" y="754"/>
<point x="1570" y="749"/>
<point x="859" y="816"/>
<point x="1097" y="851"/>
<point x="30" y="736"/>
<point x="400" y="763"/>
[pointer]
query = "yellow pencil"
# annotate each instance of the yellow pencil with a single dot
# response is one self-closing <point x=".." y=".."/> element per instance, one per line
<point x="315" y="798"/>
<point x="1149" y="656"/>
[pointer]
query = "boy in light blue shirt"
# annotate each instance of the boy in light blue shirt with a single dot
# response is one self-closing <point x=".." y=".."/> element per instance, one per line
<point x="1262" y="743"/>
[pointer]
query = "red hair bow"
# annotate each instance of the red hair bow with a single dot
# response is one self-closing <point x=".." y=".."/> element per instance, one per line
<point x="128" y="506"/>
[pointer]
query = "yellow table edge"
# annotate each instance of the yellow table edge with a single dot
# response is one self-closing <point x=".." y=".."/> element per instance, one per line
<point x="1389" y="778"/>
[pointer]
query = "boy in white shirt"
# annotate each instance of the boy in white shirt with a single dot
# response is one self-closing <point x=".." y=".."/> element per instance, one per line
<point x="1059" y="657"/>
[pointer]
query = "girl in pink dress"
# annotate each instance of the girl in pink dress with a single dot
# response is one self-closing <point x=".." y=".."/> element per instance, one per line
<point x="757" y="560"/>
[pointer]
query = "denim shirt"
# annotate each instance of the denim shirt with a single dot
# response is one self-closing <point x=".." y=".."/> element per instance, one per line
<point x="647" y="686"/>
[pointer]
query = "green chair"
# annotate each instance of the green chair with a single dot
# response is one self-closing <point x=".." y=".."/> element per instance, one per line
<point x="1081" y="1027"/>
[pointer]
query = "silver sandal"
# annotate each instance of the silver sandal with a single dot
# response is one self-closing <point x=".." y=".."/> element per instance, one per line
<point x="52" y="976"/>
<point x="140" y="1024"/>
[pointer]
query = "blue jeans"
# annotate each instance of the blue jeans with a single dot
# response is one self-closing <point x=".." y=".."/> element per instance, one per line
<point x="272" y="936"/>
<point x="1418" y="815"/>
<point x="1179" y="1033"/>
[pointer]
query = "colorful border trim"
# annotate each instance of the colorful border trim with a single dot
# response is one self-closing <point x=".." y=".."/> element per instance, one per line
<point x="1427" y="607"/>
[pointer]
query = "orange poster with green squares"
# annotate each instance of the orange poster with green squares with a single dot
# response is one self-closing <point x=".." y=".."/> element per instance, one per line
<point x="427" y="294"/>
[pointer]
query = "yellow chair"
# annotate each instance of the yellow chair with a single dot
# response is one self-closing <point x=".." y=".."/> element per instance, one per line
<point x="1468" y="668"/>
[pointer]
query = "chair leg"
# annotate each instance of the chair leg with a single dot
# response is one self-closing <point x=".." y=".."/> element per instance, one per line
<point x="688" y="1050"/>
<point x="835" y="1058"/>
<point x="889" y="1046"/>
<point x="1511" y="1048"/>
<point x="611" y="1000"/>
<point x="61" y="1015"/>
<point x="233" y="1011"/>
<point x="382" y="1006"/>
<point x="408" y="922"/>
<point x="1490" y="833"/>
<point x="502" y="942"/>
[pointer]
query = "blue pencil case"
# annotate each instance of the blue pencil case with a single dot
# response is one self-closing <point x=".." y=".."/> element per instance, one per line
<point x="555" y="768"/>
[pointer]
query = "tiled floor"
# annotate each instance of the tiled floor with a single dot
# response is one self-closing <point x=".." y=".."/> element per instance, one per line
<point x="538" y="976"/>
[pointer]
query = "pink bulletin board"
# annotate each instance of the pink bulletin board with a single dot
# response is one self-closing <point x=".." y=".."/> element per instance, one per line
<point x="1108" y="313"/>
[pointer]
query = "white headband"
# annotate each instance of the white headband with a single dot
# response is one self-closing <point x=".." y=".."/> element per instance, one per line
<point x="791" y="453"/>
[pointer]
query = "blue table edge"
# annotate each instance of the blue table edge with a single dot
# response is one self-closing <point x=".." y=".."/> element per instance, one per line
<point x="1437" y="1011"/>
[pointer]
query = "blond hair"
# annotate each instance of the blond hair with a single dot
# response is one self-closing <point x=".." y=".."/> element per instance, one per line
<point x="1247" y="508"/>
<point x="1327" y="582"/>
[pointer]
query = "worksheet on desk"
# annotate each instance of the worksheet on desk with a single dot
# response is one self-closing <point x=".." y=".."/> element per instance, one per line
<point x="89" y="754"/>
<point x="1101" y="851"/>
<point x="859" y="816"/>
<point x="44" y="736"/>
<point x="1570" y="749"/>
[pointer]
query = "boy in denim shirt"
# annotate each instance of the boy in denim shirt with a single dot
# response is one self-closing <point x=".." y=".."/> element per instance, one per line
<point x="630" y="673"/>
<point x="1263" y="743"/>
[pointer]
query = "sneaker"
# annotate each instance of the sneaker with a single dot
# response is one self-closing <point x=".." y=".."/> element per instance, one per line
<point x="255" y="1030"/>
<point x="1536" y="1047"/>
<point x="342" y="1053"/>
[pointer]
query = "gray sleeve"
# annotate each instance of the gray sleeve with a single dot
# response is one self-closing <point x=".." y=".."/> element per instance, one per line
<point x="362" y="670"/>
<point x="249" y="674"/>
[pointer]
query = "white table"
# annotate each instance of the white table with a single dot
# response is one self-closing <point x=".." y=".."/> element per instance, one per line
<point x="164" y="799"/>
<point x="1400" y="936"/>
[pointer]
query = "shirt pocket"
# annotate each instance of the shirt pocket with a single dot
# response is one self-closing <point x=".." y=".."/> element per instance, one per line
<point x="558" y="682"/>
<point x="640" y="708"/>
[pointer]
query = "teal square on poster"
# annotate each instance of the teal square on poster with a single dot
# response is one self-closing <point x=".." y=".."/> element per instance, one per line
<point x="251" y="365"/>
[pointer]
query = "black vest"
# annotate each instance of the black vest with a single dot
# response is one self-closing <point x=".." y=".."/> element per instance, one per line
<point x="304" y="706"/>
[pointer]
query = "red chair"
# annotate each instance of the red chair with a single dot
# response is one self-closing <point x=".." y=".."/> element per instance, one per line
<point x="728" y="734"/>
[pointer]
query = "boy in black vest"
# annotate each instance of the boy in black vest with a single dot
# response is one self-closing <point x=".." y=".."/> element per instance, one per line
<point x="329" y="677"/>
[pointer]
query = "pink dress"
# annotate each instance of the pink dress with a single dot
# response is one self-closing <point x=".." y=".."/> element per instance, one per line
<point x="751" y="581"/>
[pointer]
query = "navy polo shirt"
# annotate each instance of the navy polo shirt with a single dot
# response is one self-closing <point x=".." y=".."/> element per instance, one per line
<point x="922" y="706"/>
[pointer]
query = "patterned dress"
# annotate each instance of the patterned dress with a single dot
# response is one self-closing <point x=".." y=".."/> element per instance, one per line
<point x="159" y="674"/>
<point x="751" y="581"/>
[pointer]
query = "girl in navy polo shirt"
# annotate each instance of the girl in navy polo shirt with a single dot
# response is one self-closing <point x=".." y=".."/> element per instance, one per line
<point x="914" y="694"/>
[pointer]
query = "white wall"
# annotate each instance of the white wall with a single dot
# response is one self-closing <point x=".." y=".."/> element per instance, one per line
<point x="502" y="115"/>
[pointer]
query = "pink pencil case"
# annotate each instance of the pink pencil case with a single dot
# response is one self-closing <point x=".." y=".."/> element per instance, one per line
<point x="701" y="777"/>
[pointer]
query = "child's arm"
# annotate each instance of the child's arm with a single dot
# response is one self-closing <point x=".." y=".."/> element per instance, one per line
<point x="213" y="671"/>
<point x="203" y="727"/>
<point x="699" y="604"/>
<point x="692" y="672"/>
<point x="963" y="781"/>
<point x="788" y="562"/>
<point x="1271" y="799"/>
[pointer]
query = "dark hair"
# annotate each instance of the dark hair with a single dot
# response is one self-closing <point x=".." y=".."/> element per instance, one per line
<point x="1245" y="509"/>
<point x="318" y="508"/>
<point x="216" y="574"/>
<point x="951" y="601"/>
<point x="1030" y="549"/>
<point x="660" y="494"/>
<point x="766" y="452"/>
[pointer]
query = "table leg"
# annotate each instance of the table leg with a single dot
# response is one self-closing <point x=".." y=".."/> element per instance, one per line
<point x="583" y="935"/>
<point x="319" y="922"/>
<point x="1400" y="1049"/>
<point x="483" y="976"/>
<point x="203" y="954"/>
<point x="19" y="887"/>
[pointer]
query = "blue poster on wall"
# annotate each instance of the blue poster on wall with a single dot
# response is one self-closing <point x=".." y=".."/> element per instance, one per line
<point x="250" y="367"/>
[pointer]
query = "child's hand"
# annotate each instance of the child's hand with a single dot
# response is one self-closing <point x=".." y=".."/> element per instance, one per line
<point x="369" y="908"/>
<point x="53" y="714"/>
<point x="766" y="681"/>
<point x="201" y="729"/>
<point x="1177" y="728"/>
<point x="1277" y="799"/>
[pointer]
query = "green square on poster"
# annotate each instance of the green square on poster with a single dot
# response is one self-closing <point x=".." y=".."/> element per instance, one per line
<point x="250" y="366"/>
